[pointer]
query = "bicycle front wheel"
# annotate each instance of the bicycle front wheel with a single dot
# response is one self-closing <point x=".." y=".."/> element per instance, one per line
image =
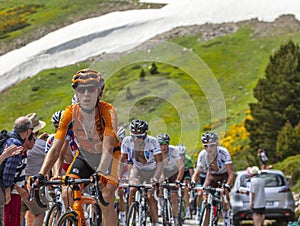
<point x="53" y="215"/>
<point x="95" y="215"/>
<point x="205" y="215"/>
<point x="68" y="219"/>
<point x="133" y="215"/>
<point x="167" y="213"/>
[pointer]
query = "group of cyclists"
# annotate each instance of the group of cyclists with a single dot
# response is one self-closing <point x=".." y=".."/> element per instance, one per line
<point x="88" y="129"/>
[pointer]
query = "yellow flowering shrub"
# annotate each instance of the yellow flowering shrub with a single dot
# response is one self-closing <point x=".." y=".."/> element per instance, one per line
<point x="235" y="139"/>
<point x="14" y="18"/>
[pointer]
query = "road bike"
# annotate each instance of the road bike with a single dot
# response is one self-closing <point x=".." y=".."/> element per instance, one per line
<point x="138" y="210"/>
<point x="212" y="208"/>
<point x="85" y="210"/>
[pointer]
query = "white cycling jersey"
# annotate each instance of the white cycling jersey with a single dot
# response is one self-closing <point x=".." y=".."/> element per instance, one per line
<point x="203" y="167"/>
<point x="151" y="148"/>
<point x="223" y="158"/>
<point x="173" y="156"/>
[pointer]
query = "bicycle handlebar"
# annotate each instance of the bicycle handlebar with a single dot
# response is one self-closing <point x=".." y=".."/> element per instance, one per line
<point x="209" y="189"/>
<point x="126" y="185"/>
<point x="66" y="181"/>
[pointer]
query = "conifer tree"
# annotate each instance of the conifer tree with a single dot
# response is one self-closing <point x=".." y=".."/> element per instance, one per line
<point x="278" y="99"/>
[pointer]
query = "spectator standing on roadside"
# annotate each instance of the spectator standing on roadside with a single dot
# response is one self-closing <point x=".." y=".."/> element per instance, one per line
<point x="21" y="131"/>
<point x="257" y="196"/>
<point x="35" y="158"/>
<point x="262" y="158"/>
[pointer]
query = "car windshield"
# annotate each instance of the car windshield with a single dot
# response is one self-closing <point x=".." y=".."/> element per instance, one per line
<point x="271" y="180"/>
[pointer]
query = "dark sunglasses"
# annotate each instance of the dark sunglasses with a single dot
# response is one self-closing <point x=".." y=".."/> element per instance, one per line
<point x="90" y="89"/>
<point x="138" y="136"/>
<point x="209" y="145"/>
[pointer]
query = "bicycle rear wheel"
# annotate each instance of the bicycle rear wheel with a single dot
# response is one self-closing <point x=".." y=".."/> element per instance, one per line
<point x="205" y="215"/>
<point x="53" y="215"/>
<point x="68" y="219"/>
<point x="133" y="215"/>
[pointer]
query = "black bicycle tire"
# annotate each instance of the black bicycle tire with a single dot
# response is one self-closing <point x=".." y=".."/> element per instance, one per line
<point x="98" y="213"/>
<point x="166" y="217"/>
<point x="56" y="206"/>
<point x="181" y="213"/>
<point x="203" y="214"/>
<point x="134" y="208"/>
<point x="68" y="217"/>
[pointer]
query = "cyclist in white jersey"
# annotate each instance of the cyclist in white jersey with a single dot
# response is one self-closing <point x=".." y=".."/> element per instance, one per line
<point x="218" y="162"/>
<point x="199" y="177"/>
<point x="144" y="154"/>
<point x="173" y="169"/>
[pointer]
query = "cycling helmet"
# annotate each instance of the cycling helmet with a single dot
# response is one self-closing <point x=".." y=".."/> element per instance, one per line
<point x="163" y="137"/>
<point x="182" y="149"/>
<point x="74" y="99"/>
<point x="56" y="116"/>
<point x="88" y="76"/>
<point x="138" y="126"/>
<point x="121" y="133"/>
<point x="209" y="137"/>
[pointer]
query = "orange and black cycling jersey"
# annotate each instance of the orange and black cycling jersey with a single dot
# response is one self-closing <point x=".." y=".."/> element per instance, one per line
<point x="106" y="124"/>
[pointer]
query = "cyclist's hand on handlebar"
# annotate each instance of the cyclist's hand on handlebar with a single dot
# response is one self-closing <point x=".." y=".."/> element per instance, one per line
<point x="154" y="182"/>
<point x="177" y="182"/>
<point x="102" y="180"/>
<point x="193" y="184"/>
<point x="227" y="188"/>
<point x="35" y="180"/>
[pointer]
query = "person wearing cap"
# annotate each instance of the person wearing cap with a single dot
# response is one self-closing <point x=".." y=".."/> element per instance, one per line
<point x="95" y="124"/>
<point x="11" y="170"/>
<point x="35" y="159"/>
<point x="257" y="196"/>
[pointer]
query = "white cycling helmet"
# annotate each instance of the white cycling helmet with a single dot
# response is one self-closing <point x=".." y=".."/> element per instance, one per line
<point x="181" y="148"/>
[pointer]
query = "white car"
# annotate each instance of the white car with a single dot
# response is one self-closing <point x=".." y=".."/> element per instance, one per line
<point x="280" y="204"/>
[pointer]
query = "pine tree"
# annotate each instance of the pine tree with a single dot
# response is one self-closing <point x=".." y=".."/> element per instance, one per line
<point x="285" y="144"/>
<point x="278" y="99"/>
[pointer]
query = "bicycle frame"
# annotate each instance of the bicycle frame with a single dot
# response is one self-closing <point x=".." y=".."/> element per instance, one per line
<point x="77" y="211"/>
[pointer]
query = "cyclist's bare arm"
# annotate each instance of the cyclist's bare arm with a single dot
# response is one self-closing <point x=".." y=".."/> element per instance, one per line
<point x="51" y="156"/>
<point x="196" y="174"/>
<point x="159" y="166"/>
<point x="65" y="153"/>
<point x="230" y="172"/>
<point x="191" y="171"/>
<point x="122" y="164"/>
<point x="107" y="153"/>
<point x="180" y="167"/>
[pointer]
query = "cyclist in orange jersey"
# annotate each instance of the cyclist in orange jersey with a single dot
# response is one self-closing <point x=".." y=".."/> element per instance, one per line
<point x="95" y="126"/>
